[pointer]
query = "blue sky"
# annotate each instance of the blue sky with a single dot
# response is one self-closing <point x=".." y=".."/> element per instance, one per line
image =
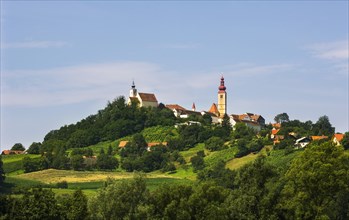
<point x="62" y="61"/>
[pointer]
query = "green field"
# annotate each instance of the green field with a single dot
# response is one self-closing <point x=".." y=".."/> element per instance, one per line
<point x="192" y="152"/>
<point x="236" y="163"/>
<point x="88" y="181"/>
<point x="12" y="164"/>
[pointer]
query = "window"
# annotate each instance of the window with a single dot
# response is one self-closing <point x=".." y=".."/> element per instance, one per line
<point x="221" y="96"/>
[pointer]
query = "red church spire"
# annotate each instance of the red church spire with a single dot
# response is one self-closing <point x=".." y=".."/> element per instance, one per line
<point x="222" y="87"/>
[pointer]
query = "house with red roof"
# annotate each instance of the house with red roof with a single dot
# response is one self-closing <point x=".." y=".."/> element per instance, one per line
<point x="254" y="121"/>
<point x="337" y="138"/>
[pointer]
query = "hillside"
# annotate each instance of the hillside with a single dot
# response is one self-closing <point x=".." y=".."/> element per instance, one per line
<point x="125" y="153"/>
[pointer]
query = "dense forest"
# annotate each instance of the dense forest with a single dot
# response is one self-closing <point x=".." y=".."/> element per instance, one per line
<point x="308" y="183"/>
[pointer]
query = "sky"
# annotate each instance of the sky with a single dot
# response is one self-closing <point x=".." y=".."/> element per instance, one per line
<point x="62" y="61"/>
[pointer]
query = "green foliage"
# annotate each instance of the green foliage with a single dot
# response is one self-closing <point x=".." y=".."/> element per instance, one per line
<point x="255" y="192"/>
<point x="36" y="203"/>
<point x="18" y="146"/>
<point x="116" y="120"/>
<point x="281" y="118"/>
<point x="107" y="162"/>
<point x="219" y="174"/>
<point x="34" y="164"/>
<point x="225" y="155"/>
<point x="315" y="182"/>
<point x="75" y="206"/>
<point x="214" y="143"/>
<point x="197" y="161"/>
<point x="159" y="133"/>
<point x="345" y="141"/>
<point x="34" y="148"/>
<point x="2" y="172"/>
<point x="323" y="127"/>
<point x="242" y="131"/>
<point x="127" y="198"/>
<point x="62" y="185"/>
<point x="77" y="162"/>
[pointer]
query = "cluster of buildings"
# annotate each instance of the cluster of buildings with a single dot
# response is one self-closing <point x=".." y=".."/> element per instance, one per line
<point x="217" y="110"/>
<point x="301" y="142"/>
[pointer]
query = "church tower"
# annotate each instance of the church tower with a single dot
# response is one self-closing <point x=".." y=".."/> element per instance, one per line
<point x="222" y="99"/>
<point x="133" y="91"/>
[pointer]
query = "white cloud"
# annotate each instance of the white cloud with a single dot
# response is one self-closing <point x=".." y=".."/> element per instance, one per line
<point x="338" y="50"/>
<point x="105" y="81"/>
<point x="35" y="44"/>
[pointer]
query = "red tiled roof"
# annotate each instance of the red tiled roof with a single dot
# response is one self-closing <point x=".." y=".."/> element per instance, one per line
<point x="175" y="106"/>
<point x="152" y="144"/>
<point x="339" y="137"/>
<point x="275" y="131"/>
<point x="8" y="152"/>
<point x="123" y="143"/>
<point x="318" y="137"/>
<point x="276" y="125"/>
<point x="148" y="97"/>
<point x="214" y="109"/>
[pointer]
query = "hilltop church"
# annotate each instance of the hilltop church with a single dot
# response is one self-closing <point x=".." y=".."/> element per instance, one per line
<point x="143" y="99"/>
<point x="217" y="111"/>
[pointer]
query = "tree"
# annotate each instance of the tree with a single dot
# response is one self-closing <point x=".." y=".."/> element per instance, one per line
<point x="345" y="141"/>
<point x="34" y="164"/>
<point x="18" y="146"/>
<point x="127" y="199"/>
<point x="197" y="162"/>
<point x="315" y="182"/>
<point x="2" y="172"/>
<point x="281" y="118"/>
<point x="77" y="162"/>
<point x="34" y="148"/>
<point x="323" y="126"/>
<point x="77" y="206"/>
<point x="36" y="203"/>
<point x="110" y="151"/>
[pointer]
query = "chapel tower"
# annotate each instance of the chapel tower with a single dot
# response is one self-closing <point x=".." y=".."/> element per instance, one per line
<point x="133" y="91"/>
<point x="222" y="99"/>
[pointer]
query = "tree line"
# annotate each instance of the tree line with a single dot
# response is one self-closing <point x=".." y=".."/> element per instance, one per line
<point x="315" y="185"/>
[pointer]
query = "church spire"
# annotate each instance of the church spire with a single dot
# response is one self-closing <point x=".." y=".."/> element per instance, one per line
<point x="133" y="91"/>
<point x="222" y="99"/>
<point x="222" y="86"/>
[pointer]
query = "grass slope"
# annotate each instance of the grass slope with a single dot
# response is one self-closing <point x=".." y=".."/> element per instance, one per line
<point x="13" y="163"/>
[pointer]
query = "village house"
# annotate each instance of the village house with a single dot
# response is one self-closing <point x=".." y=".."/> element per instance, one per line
<point x="12" y="152"/>
<point x="316" y="138"/>
<point x="123" y="144"/>
<point x="337" y="138"/>
<point x="302" y="142"/>
<point x="254" y="121"/>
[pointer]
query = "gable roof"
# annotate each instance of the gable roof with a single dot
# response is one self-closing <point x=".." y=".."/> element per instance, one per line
<point x="318" y="137"/>
<point x="148" y="97"/>
<point x="214" y="109"/>
<point x="152" y="144"/>
<point x="339" y="137"/>
<point x="275" y="131"/>
<point x="123" y="143"/>
<point x="276" y="125"/>
<point x="302" y="139"/>
<point x="189" y="112"/>
<point x="8" y="152"/>
<point x="175" y="106"/>
<point x="208" y="113"/>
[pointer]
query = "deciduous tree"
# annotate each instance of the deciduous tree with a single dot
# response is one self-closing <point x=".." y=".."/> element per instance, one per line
<point x="18" y="146"/>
